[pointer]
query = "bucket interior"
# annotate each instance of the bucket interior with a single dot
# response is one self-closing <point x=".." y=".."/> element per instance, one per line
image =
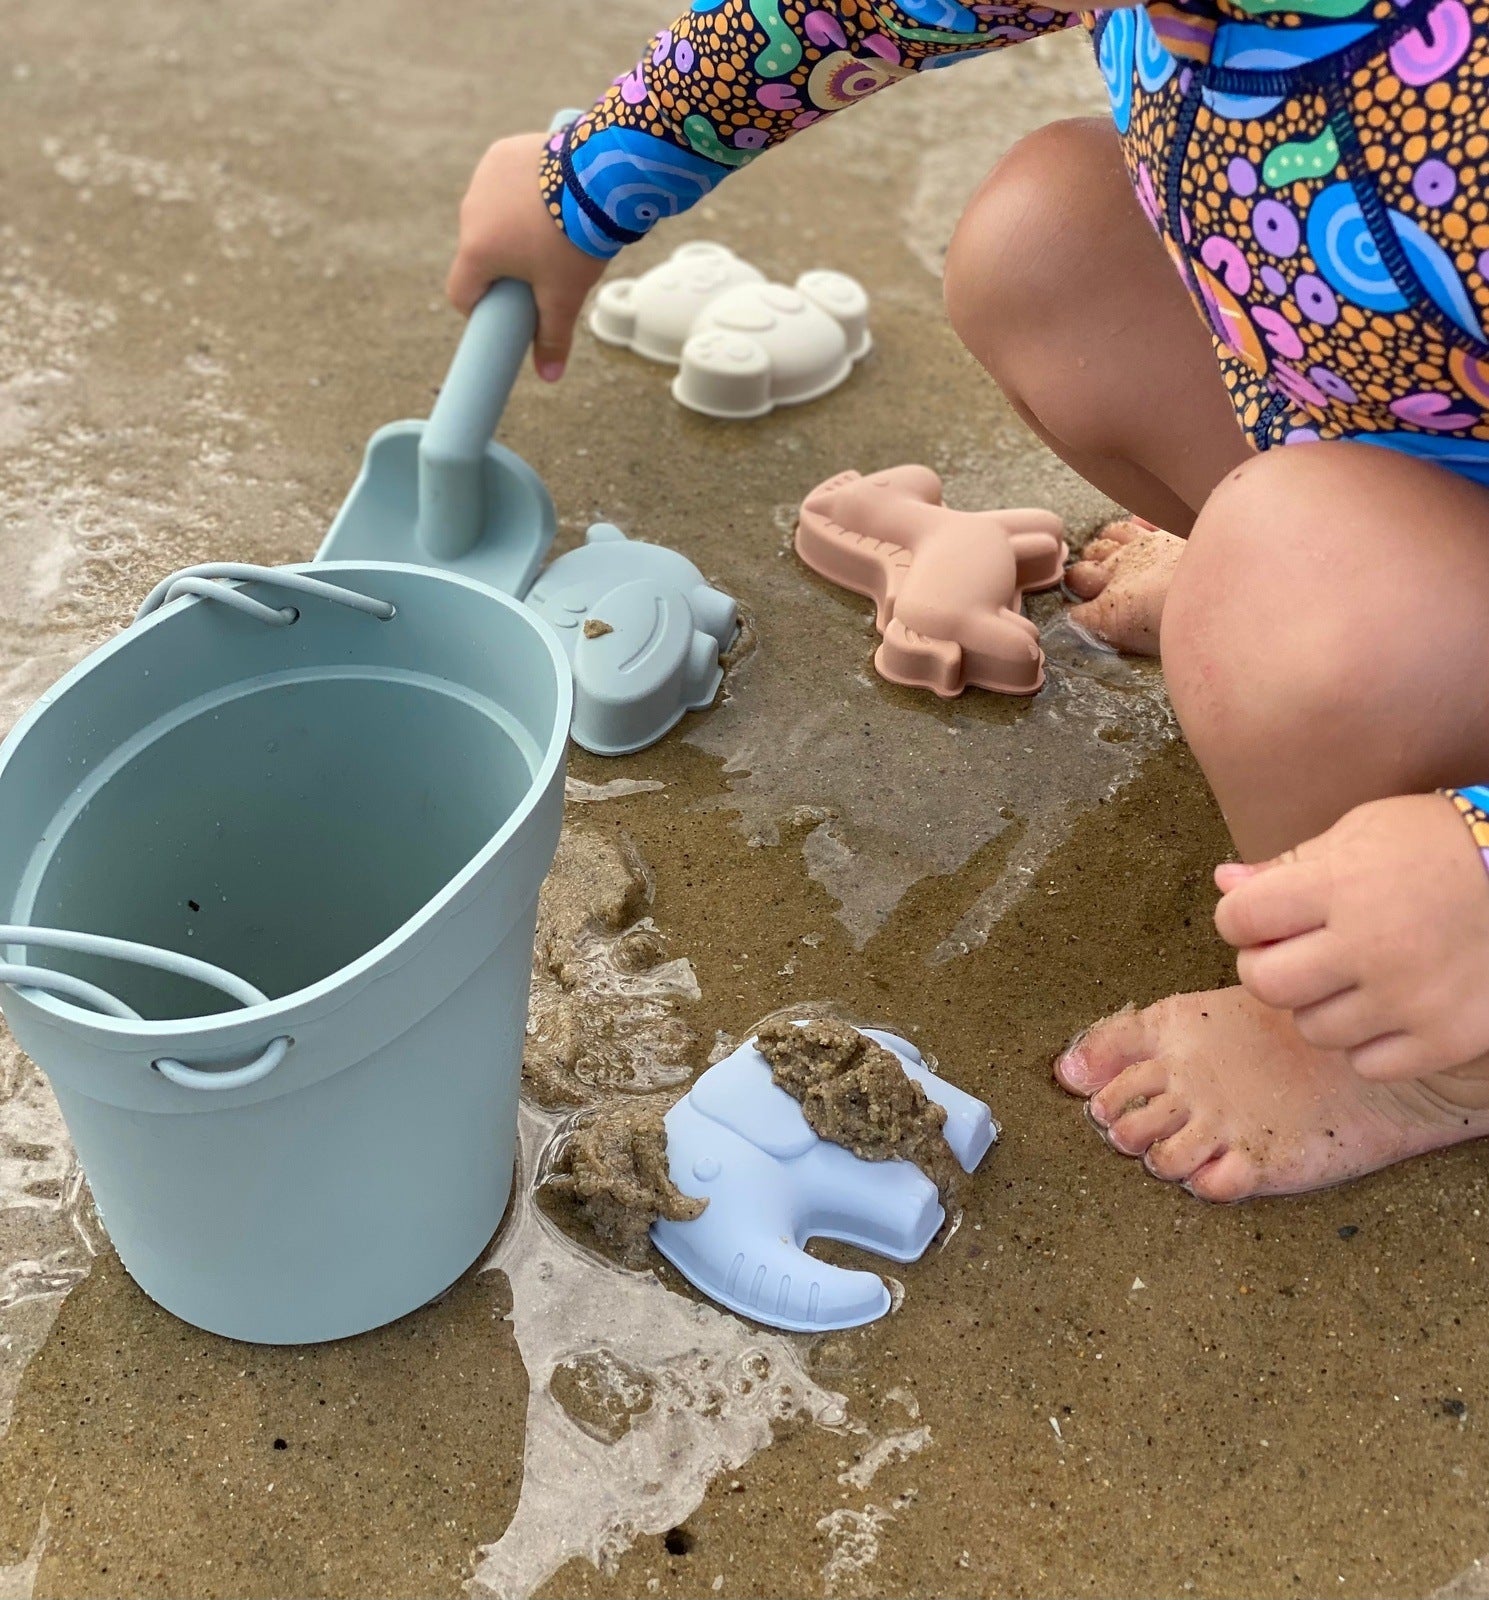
<point x="280" y="831"/>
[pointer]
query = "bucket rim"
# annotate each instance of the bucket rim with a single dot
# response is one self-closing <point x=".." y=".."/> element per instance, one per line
<point x="129" y="1033"/>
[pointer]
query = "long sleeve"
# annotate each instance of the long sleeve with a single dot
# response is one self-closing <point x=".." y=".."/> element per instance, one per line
<point x="733" y="77"/>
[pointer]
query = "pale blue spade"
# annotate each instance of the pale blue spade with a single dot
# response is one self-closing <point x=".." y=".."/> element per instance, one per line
<point x="443" y="494"/>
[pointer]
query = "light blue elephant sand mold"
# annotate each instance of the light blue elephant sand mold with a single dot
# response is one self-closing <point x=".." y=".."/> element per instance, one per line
<point x="743" y="1144"/>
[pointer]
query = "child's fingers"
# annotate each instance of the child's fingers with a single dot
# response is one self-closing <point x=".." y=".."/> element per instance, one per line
<point x="557" y="314"/>
<point x="1296" y="972"/>
<point x="1344" y="1021"/>
<point x="469" y="279"/>
<point x="1232" y="874"/>
<point x="1394" y="1056"/>
<point x="1281" y="903"/>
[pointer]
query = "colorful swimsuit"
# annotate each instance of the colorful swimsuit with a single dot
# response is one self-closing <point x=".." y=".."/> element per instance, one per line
<point x="1317" y="169"/>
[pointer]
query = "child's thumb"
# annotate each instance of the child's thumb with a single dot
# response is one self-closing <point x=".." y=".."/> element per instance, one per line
<point x="1232" y="874"/>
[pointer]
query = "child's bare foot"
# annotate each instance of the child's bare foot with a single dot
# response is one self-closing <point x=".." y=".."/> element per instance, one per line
<point x="1218" y="1092"/>
<point x="1123" y="576"/>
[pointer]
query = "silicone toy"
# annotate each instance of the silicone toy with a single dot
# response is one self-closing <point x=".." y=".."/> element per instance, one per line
<point x="742" y="346"/>
<point x="643" y="631"/>
<point x="654" y="314"/>
<point x="771" y="1184"/>
<point x="947" y="585"/>
<point x="339" y="788"/>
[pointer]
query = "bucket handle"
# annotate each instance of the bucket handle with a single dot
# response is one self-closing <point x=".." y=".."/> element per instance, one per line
<point x="68" y="987"/>
<point x="206" y="583"/>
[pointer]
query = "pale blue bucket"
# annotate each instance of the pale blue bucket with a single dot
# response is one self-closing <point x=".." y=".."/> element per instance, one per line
<point x="340" y="789"/>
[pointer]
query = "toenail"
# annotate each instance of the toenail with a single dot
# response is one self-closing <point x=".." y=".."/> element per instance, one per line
<point x="1071" y="1068"/>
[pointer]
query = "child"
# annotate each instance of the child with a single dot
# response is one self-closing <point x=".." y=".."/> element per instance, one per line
<point x="1312" y="178"/>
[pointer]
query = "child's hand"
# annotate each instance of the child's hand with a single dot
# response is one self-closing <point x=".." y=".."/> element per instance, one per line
<point x="1375" y="935"/>
<point x="506" y="232"/>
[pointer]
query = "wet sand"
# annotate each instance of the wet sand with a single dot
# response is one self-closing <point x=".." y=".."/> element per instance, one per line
<point x="223" y="234"/>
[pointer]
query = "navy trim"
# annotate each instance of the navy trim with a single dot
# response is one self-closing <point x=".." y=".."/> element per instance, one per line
<point x="1261" y="432"/>
<point x="1173" y="179"/>
<point x="1306" y="75"/>
<point x="1377" y="220"/>
<point x="596" y="215"/>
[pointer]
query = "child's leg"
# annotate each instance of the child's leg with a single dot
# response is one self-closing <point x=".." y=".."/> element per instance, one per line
<point x="1326" y="639"/>
<point x="1059" y="287"/>
<point x="1324" y="645"/>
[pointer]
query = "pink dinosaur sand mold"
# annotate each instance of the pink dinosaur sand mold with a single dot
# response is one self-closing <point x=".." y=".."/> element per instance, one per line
<point x="947" y="584"/>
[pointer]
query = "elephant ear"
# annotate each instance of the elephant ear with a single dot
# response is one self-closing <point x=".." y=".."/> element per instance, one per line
<point x="739" y="1095"/>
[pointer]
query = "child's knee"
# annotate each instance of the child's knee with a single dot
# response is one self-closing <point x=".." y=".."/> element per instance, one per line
<point x="1006" y="261"/>
<point x="1254" y="656"/>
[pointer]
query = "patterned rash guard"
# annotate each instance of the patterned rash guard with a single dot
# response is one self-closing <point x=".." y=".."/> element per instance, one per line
<point x="1318" y="171"/>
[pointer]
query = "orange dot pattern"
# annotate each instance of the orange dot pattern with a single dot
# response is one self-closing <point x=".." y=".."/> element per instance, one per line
<point x="1290" y="206"/>
<point x="1473" y="807"/>
<point x="725" y="83"/>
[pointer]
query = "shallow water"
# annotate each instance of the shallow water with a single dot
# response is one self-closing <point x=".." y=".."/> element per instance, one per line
<point x="898" y="787"/>
<point x="689" y="1392"/>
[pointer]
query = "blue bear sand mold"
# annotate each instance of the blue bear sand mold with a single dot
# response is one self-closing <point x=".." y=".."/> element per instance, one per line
<point x="443" y="494"/>
<point x="653" y="651"/>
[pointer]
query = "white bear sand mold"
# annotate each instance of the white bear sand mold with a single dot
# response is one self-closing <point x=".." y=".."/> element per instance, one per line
<point x="742" y="346"/>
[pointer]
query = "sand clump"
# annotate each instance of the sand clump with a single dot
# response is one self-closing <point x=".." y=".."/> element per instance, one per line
<point x="597" y="885"/>
<point x="613" y="1168"/>
<point x="607" y="1004"/>
<point x="612" y="1173"/>
<point x="855" y="1093"/>
<point x="595" y="629"/>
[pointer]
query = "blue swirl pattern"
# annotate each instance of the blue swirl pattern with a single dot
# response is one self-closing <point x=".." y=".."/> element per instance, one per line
<point x="947" y="14"/>
<point x="1348" y="258"/>
<point x="633" y="180"/>
<point x="1115" y="56"/>
<point x="1340" y="241"/>
<point x="1156" y="63"/>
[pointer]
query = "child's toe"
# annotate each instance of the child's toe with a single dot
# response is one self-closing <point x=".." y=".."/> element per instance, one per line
<point x="1177" y="1158"/>
<point x="1228" y="1177"/>
<point x="1133" y="1131"/>
<point x="1101" y="549"/>
<point x="1100" y="1054"/>
<point x="1124" y="531"/>
<point x="1133" y="1087"/>
<point x="1086" y="579"/>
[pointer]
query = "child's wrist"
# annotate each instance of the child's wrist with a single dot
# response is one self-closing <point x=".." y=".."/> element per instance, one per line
<point x="565" y="202"/>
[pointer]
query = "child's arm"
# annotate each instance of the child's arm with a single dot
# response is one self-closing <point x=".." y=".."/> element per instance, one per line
<point x="723" y="83"/>
<point x="732" y="78"/>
